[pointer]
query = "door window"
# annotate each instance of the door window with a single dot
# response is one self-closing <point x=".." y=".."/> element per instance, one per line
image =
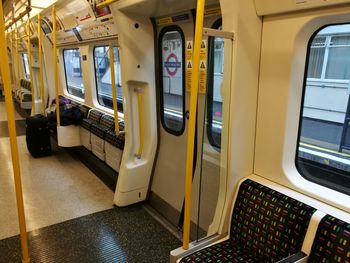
<point x="172" y="99"/>
<point x="214" y="99"/>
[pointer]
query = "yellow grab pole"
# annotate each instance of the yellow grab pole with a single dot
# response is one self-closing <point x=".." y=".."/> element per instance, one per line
<point x="55" y="64"/>
<point x="114" y="90"/>
<point x="17" y="63"/>
<point x="139" y="104"/>
<point x="13" y="63"/>
<point x="192" y="122"/>
<point x="30" y="67"/>
<point x="41" y="77"/>
<point x="5" y="73"/>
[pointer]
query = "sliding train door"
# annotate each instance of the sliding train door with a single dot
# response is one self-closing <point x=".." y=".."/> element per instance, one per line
<point x="167" y="192"/>
<point x="174" y="40"/>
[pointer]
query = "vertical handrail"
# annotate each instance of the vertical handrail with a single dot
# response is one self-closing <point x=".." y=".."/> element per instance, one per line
<point x="139" y="107"/>
<point x="54" y="40"/>
<point x="18" y="71"/>
<point x="5" y="72"/>
<point x="30" y="67"/>
<point x="13" y="62"/>
<point x="192" y="122"/>
<point x="41" y="77"/>
<point x="114" y="91"/>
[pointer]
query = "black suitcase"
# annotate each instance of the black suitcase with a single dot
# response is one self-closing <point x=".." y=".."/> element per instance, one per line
<point x="38" y="136"/>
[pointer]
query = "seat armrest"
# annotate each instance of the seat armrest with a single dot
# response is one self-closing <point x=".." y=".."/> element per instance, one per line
<point x="298" y="257"/>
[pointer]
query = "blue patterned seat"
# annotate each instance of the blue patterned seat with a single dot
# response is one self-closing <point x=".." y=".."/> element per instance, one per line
<point x="266" y="226"/>
<point x="332" y="241"/>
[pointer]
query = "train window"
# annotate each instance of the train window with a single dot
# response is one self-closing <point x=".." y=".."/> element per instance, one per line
<point x="214" y="100"/>
<point x="26" y="65"/>
<point x="73" y="71"/>
<point x="172" y="99"/>
<point x="103" y="77"/>
<point x="323" y="154"/>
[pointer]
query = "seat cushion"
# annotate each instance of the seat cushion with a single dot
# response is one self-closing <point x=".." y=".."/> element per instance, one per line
<point x="86" y="123"/>
<point x="98" y="130"/>
<point x="332" y="241"/>
<point x="227" y="251"/>
<point x="116" y="140"/>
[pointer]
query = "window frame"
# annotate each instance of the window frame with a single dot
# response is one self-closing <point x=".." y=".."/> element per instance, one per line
<point x="210" y="90"/>
<point x="65" y="72"/>
<point x="161" y="90"/>
<point x="320" y="174"/>
<point x="119" y="102"/>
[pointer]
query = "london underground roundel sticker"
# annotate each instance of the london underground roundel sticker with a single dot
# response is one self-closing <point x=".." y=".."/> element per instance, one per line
<point x="172" y="64"/>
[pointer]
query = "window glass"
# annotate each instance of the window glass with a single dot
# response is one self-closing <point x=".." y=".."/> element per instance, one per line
<point x="214" y="99"/>
<point x="26" y="65"/>
<point x="316" y="57"/>
<point x="323" y="153"/>
<point x="172" y="81"/>
<point x="103" y="77"/>
<point x="73" y="70"/>
<point x="338" y="58"/>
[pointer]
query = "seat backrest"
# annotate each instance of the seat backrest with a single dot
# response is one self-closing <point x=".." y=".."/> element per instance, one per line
<point x="267" y="223"/>
<point x="84" y="109"/>
<point x="332" y="241"/>
<point x="107" y="122"/>
<point x="95" y="116"/>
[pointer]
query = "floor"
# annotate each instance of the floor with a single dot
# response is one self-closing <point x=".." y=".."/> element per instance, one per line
<point x="118" y="235"/>
<point x="69" y="212"/>
<point x="55" y="188"/>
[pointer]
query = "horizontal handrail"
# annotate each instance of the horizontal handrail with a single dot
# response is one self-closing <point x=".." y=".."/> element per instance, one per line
<point x="106" y="3"/>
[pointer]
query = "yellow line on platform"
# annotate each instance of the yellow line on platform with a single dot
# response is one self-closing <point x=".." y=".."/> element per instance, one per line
<point x="324" y="149"/>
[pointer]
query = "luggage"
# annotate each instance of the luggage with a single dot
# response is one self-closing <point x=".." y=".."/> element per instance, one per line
<point x="38" y="136"/>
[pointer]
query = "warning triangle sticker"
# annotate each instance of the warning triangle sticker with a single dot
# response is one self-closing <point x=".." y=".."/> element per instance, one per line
<point x="189" y="64"/>
<point x="202" y="65"/>
<point x="189" y="45"/>
<point x="203" y="44"/>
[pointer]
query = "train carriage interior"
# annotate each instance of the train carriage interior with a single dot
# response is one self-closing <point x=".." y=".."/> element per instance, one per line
<point x="219" y="133"/>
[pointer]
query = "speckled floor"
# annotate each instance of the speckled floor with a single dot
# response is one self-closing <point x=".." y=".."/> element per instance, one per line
<point x="116" y="235"/>
<point x="55" y="188"/>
